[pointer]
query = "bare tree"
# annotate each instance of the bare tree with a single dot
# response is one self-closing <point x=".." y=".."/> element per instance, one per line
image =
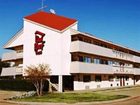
<point x="38" y="74"/>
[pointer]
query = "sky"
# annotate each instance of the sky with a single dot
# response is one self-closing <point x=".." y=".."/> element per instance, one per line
<point x="114" y="20"/>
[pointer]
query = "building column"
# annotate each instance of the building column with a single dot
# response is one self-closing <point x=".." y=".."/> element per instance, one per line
<point x="14" y="77"/>
<point x="60" y="83"/>
<point x="134" y="80"/>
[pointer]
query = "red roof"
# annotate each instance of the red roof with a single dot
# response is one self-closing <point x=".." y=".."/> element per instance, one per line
<point x="51" y="20"/>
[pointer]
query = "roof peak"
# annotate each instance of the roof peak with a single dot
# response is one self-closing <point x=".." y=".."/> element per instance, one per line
<point x="51" y="20"/>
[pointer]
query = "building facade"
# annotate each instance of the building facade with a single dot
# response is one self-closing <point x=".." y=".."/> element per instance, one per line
<point x="78" y="60"/>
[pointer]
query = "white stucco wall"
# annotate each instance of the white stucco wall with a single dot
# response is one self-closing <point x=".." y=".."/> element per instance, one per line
<point x="138" y="82"/>
<point x="55" y="52"/>
<point x="80" y="85"/>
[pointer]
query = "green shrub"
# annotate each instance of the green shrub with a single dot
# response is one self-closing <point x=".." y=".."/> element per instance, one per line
<point x="19" y="85"/>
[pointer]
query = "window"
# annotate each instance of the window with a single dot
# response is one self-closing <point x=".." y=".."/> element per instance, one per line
<point x="86" y="78"/>
<point x="87" y="59"/>
<point x="97" y="61"/>
<point x="116" y="63"/>
<point x="81" y="59"/>
<point x="109" y="62"/>
<point x="111" y="78"/>
<point x="92" y="60"/>
<point x="117" y="78"/>
<point x="74" y="58"/>
<point x="103" y="61"/>
<point x="127" y="78"/>
<point x="98" y="78"/>
<point x="106" y="62"/>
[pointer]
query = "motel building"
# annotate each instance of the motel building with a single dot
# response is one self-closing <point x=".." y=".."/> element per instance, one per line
<point x="78" y="60"/>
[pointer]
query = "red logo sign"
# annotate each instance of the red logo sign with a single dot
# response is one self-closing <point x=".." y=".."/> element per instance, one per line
<point x="39" y="43"/>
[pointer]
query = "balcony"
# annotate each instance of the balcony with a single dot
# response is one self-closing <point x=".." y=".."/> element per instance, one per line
<point x="79" y="46"/>
<point x="123" y="70"/>
<point x="81" y="67"/>
<point x="12" y="56"/>
<point x="137" y="71"/>
<point x="11" y="71"/>
<point x="136" y="59"/>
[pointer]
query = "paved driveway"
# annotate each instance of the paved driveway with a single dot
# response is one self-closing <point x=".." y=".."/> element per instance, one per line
<point x="132" y="101"/>
<point x="6" y="94"/>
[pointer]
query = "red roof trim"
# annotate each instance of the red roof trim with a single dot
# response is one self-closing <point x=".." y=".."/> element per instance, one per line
<point x="51" y="20"/>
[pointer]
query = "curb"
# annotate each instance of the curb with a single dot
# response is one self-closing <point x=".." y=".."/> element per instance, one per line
<point x="79" y="103"/>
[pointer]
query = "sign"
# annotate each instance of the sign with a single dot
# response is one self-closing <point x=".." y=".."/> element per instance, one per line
<point x="39" y="43"/>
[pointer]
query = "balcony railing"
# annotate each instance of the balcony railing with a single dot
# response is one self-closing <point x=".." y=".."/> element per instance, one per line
<point x="12" y="56"/>
<point x="82" y="67"/>
<point x="11" y="71"/>
<point x="123" y="70"/>
<point x="137" y="71"/>
<point x="79" y="46"/>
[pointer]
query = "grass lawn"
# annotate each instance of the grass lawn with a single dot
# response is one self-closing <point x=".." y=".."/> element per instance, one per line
<point x="73" y="97"/>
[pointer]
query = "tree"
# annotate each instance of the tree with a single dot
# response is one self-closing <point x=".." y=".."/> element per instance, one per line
<point x="38" y="75"/>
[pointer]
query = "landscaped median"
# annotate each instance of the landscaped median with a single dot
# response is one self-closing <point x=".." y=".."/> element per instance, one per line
<point x="72" y="97"/>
